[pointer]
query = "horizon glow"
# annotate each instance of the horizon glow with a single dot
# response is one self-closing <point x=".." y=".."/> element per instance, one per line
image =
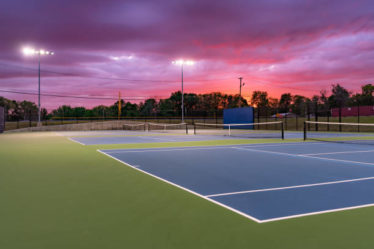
<point x="128" y="47"/>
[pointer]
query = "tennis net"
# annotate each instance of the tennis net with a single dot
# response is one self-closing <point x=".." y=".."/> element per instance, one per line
<point x="2" y="119"/>
<point x="168" y="128"/>
<point x="357" y="133"/>
<point x="248" y="130"/>
<point x="134" y="127"/>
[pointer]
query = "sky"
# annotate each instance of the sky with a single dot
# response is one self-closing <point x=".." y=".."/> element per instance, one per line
<point x="103" y="47"/>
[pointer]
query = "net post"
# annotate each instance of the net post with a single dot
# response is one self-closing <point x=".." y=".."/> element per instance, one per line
<point x="186" y="129"/>
<point x="194" y="128"/>
<point x="229" y="130"/>
<point x="304" y="130"/>
<point x="282" y="130"/>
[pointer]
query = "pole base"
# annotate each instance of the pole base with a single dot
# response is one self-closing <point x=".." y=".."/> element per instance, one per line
<point x="39" y="124"/>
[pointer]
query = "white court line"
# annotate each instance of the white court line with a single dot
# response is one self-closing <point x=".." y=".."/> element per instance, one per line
<point x="338" y="152"/>
<point x="156" y="138"/>
<point x="158" y="150"/>
<point x="318" y="212"/>
<point x="339" y="160"/>
<point x="291" y="187"/>
<point x="71" y="139"/>
<point x="305" y="156"/>
<point x="233" y="209"/>
<point x="200" y="147"/>
<point x="183" y="188"/>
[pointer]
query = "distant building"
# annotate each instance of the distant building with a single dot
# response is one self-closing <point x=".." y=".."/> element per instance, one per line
<point x="283" y="115"/>
<point x="353" y="111"/>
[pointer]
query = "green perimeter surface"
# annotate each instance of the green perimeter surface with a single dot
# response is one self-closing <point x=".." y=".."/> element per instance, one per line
<point x="58" y="194"/>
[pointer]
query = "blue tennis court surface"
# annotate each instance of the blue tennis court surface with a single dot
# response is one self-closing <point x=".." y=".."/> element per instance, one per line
<point x="136" y="137"/>
<point x="265" y="182"/>
<point x="147" y="139"/>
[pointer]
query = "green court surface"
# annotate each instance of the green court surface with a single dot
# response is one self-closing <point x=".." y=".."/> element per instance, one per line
<point x="59" y="194"/>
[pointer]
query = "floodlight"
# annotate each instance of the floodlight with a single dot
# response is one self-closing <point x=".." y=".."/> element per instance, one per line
<point x="31" y="51"/>
<point x="182" y="62"/>
<point x="28" y="51"/>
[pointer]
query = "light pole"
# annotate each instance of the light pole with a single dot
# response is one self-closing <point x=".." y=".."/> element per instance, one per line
<point x="183" y="62"/>
<point x="29" y="52"/>
<point x="240" y="90"/>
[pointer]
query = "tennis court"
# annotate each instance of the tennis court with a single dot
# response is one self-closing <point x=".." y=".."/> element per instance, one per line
<point x="155" y="138"/>
<point x="265" y="182"/>
<point x="151" y="133"/>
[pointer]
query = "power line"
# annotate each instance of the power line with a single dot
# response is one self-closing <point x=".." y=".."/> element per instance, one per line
<point x="68" y="96"/>
<point x="106" y="78"/>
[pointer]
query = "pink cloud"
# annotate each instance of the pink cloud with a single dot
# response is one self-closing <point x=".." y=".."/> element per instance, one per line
<point x="278" y="46"/>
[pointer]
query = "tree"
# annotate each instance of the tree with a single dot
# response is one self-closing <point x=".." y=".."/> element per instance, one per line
<point x="79" y="112"/>
<point x="166" y="107"/>
<point x="190" y="102"/>
<point x="325" y="104"/>
<point x="365" y="98"/>
<point x="100" y="111"/>
<point x="298" y="105"/>
<point x="130" y="110"/>
<point x="339" y="96"/>
<point x="148" y="108"/>
<point x="176" y="102"/>
<point x="273" y="105"/>
<point x="260" y="99"/>
<point x="28" y="110"/>
<point x="285" y="102"/>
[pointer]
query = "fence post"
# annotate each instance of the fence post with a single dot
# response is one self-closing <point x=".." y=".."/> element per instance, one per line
<point x="316" y="115"/>
<point x="340" y="118"/>
<point x="358" y="116"/>
<point x="282" y="130"/>
<point x="308" y="116"/>
<point x="285" y="121"/>
<point x="297" y="123"/>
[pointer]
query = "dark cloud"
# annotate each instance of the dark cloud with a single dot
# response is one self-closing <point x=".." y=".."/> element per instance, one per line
<point x="294" y="41"/>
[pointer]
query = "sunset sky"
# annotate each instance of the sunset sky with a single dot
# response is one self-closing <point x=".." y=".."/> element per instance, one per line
<point x="105" y="46"/>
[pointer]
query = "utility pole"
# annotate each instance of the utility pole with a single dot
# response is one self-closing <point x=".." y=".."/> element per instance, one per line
<point x="39" y="108"/>
<point x="31" y="51"/>
<point x="182" y="95"/>
<point x="182" y="62"/>
<point x="240" y="90"/>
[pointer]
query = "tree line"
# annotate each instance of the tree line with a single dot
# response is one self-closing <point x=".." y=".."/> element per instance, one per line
<point x="200" y="105"/>
<point x="322" y="103"/>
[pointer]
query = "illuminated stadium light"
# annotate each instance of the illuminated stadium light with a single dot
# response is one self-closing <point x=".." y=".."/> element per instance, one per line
<point x="182" y="62"/>
<point x="31" y="51"/>
<point x="120" y="58"/>
<point x="28" y="52"/>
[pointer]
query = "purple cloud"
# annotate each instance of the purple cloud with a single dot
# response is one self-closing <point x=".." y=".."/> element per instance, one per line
<point x="128" y="46"/>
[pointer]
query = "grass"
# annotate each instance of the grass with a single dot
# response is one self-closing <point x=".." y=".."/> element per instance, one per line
<point x="58" y="194"/>
<point x="293" y="124"/>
